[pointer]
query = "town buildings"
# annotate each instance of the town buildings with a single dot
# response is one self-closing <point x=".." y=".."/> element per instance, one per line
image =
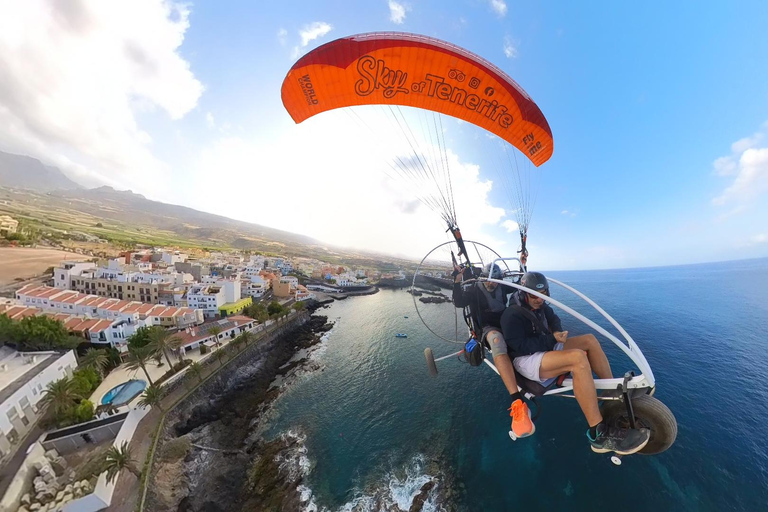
<point x="23" y="378"/>
<point x="213" y="332"/>
<point x="100" y="320"/>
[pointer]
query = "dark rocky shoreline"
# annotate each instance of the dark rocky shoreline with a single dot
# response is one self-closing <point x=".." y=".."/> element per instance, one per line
<point x="211" y="456"/>
<point x="221" y="416"/>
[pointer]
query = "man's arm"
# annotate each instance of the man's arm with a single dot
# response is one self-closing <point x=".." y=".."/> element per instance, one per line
<point x="513" y="328"/>
<point x="461" y="297"/>
<point x="552" y="319"/>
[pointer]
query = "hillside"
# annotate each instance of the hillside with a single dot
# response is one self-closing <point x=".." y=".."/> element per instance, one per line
<point x="125" y="219"/>
<point x="24" y="172"/>
<point x="64" y="213"/>
<point x="108" y="203"/>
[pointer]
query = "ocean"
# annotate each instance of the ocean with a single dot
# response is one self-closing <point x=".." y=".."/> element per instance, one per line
<point x="375" y="426"/>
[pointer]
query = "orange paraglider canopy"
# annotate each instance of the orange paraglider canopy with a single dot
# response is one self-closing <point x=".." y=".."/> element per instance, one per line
<point x="417" y="71"/>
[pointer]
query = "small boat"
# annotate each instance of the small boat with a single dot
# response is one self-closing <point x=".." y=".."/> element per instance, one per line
<point x="401" y="335"/>
<point x="406" y="316"/>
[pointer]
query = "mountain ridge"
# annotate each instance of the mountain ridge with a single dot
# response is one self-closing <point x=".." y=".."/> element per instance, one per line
<point x="73" y="207"/>
<point x="26" y="172"/>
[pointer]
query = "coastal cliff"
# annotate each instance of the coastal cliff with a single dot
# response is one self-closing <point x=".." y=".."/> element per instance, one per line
<point x="208" y="458"/>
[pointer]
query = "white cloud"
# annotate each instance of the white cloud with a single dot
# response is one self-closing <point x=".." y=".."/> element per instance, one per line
<point x="397" y="11"/>
<point x="499" y="7"/>
<point x="309" y="33"/>
<point x="748" y="163"/>
<point x="725" y="166"/>
<point x="312" y="31"/>
<point x="759" y="239"/>
<point x="209" y="120"/>
<point x="567" y="213"/>
<point x="511" y="226"/>
<point x="747" y="143"/>
<point x="76" y="74"/>
<point x="509" y="48"/>
<point x="377" y="209"/>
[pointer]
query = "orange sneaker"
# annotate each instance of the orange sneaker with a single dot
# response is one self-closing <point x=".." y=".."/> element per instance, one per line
<point x="522" y="426"/>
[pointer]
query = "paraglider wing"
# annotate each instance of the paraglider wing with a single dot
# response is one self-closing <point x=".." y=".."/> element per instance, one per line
<point x="421" y="72"/>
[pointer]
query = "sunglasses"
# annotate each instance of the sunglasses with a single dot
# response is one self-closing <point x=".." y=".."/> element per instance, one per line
<point x="543" y="292"/>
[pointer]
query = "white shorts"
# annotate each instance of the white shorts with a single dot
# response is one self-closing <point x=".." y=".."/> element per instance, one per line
<point x="529" y="366"/>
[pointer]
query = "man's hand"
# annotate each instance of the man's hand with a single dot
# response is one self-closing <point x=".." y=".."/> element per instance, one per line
<point x="561" y="336"/>
<point x="458" y="274"/>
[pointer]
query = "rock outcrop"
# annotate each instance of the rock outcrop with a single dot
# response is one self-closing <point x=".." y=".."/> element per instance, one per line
<point x="235" y="471"/>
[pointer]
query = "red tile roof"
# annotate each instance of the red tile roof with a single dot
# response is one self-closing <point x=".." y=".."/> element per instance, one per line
<point x="113" y="305"/>
<point x="68" y="297"/>
<point x="15" y="312"/>
<point x="101" y="325"/>
<point x="120" y="305"/>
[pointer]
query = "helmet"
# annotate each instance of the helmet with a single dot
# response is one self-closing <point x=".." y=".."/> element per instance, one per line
<point x="535" y="281"/>
<point x="493" y="273"/>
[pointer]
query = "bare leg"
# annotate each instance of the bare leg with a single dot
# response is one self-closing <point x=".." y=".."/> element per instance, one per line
<point x="597" y="359"/>
<point x="504" y="365"/>
<point x="575" y="361"/>
<point x="507" y="372"/>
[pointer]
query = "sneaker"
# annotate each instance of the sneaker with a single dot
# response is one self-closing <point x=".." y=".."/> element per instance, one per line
<point x="623" y="441"/>
<point x="522" y="426"/>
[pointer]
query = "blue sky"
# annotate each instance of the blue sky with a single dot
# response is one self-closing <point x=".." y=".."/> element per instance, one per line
<point x="658" y="113"/>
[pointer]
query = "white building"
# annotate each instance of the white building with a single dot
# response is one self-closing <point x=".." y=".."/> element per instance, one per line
<point x="230" y="286"/>
<point x="132" y="312"/>
<point x="229" y="328"/>
<point x="255" y="287"/>
<point x="256" y="260"/>
<point x="67" y="269"/>
<point x="303" y="294"/>
<point x="171" y="258"/>
<point x="208" y="298"/>
<point x="252" y="270"/>
<point x="23" y="378"/>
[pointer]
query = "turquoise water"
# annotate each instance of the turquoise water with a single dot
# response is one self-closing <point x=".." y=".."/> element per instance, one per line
<point x="373" y="418"/>
<point x="124" y="392"/>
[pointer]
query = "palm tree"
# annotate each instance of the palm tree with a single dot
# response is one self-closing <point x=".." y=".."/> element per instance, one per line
<point x="163" y="341"/>
<point x="138" y="357"/>
<point x="238" y="342"/>
<point x="215" y="331"/>
<point x="247" y="336"/>
<point x="195" y="368"/>
<point x="60" y="395"/>
<point x="118" y="459"/>
<point x="220" y="356"/>
<point x="152" y="397"/>
<point x="96" y="359"/>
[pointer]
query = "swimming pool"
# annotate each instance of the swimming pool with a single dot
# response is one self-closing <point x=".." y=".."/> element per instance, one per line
<point x="124" y="393"/>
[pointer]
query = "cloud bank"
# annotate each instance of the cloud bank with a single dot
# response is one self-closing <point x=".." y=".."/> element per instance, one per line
<point x="77" y="74"/>
<point x="747" y="170"/>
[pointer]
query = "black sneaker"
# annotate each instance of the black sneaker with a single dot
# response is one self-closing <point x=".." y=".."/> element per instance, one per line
<point x="623" y="441"/>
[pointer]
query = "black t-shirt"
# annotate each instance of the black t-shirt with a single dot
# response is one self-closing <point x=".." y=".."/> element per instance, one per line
<point x="523" y="336"/>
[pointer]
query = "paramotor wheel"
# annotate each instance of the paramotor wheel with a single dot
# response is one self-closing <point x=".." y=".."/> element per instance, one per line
<point x="649" y="413"/>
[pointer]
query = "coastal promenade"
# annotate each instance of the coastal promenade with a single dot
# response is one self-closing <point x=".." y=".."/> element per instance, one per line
<point x="129" y="491"/>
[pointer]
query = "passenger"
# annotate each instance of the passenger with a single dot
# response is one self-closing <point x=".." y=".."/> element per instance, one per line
<point x="487" y="301"/>
<point x="542" y="350"/>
